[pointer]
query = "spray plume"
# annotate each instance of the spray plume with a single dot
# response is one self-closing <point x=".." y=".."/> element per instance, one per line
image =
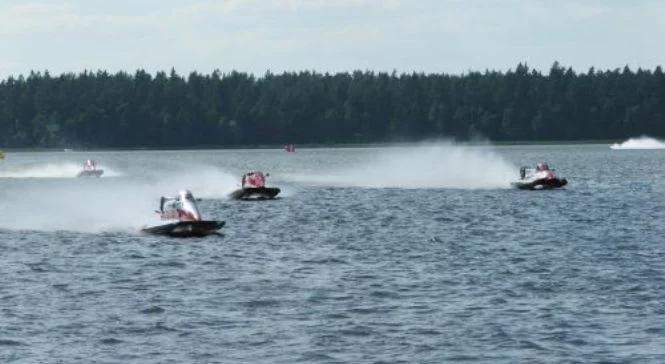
<point x="643" y="142"/>
<point x="440" y="165"/>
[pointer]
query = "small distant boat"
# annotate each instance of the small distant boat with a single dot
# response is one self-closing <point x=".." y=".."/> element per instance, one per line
<point x="290" y="148"/>
<point x="540" y="178"/>
<point x="183" y="211"/>
<point x="253" y="187"/>
<point x="90" y="169"/>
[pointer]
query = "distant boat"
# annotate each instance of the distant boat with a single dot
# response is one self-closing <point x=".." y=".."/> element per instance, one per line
<point x="290" y="148"/>
<point x="253" y="187"/>
<point x="543" y="178"/>
<point x="90" y="169"/>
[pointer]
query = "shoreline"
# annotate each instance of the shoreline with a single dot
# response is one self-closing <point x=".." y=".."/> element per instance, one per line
<point x="316" y="146"/>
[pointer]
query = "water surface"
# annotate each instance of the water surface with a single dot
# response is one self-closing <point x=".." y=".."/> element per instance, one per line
<point x="371" y="255"/>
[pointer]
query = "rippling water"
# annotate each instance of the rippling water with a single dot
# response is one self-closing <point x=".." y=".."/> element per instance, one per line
<point x="372" y="255"/>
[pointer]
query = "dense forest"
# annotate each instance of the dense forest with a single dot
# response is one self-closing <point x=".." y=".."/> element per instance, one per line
<point x="99" y="109"/>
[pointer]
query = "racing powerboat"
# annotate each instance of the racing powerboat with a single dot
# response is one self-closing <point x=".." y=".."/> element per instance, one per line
<point x="90" y="169"/>
<point x="540" y="178"/>
<point x="253" y="187"/>
<point x="184" y="213"/>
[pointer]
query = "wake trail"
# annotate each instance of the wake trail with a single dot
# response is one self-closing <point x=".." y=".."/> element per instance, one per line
<point x="441" y="165"/>
<point x="51" y="170"/>
<point x="92" y="205"/>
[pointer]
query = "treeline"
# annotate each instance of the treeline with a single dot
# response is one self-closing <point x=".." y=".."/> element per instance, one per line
<point x="225" y="109"/>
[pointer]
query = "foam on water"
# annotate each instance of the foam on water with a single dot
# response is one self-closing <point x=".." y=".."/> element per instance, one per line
<point x="643" y="142"/>
<point x="439" y="165"/>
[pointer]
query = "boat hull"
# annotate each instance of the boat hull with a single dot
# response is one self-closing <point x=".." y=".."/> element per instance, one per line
<point x="258" y="193"/>
<point x="185" y="229"/>
<point x="540" y="184"/>
<point x="96" y="173"/>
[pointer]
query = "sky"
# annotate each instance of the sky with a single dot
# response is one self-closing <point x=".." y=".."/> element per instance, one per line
<point x="431" y="36"/>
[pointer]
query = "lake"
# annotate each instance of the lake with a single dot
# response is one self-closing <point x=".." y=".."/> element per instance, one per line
<point x="407" y="254"/>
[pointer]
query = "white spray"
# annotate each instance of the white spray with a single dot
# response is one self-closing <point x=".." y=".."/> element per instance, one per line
<point x="104" y="204"/>
<point x="643" y="142"/>
<point x="440" y="165"/>
<point x="51" y="170"/>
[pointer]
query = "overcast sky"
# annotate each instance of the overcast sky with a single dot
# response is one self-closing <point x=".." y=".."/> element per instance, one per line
<point x="452" y="36"/>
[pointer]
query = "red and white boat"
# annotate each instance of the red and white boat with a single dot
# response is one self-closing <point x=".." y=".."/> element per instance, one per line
<point x="253" y="187"/>
<point x="540" y="178"/>
<point x="90" y="169"/>
<point x="184" y="213"/>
